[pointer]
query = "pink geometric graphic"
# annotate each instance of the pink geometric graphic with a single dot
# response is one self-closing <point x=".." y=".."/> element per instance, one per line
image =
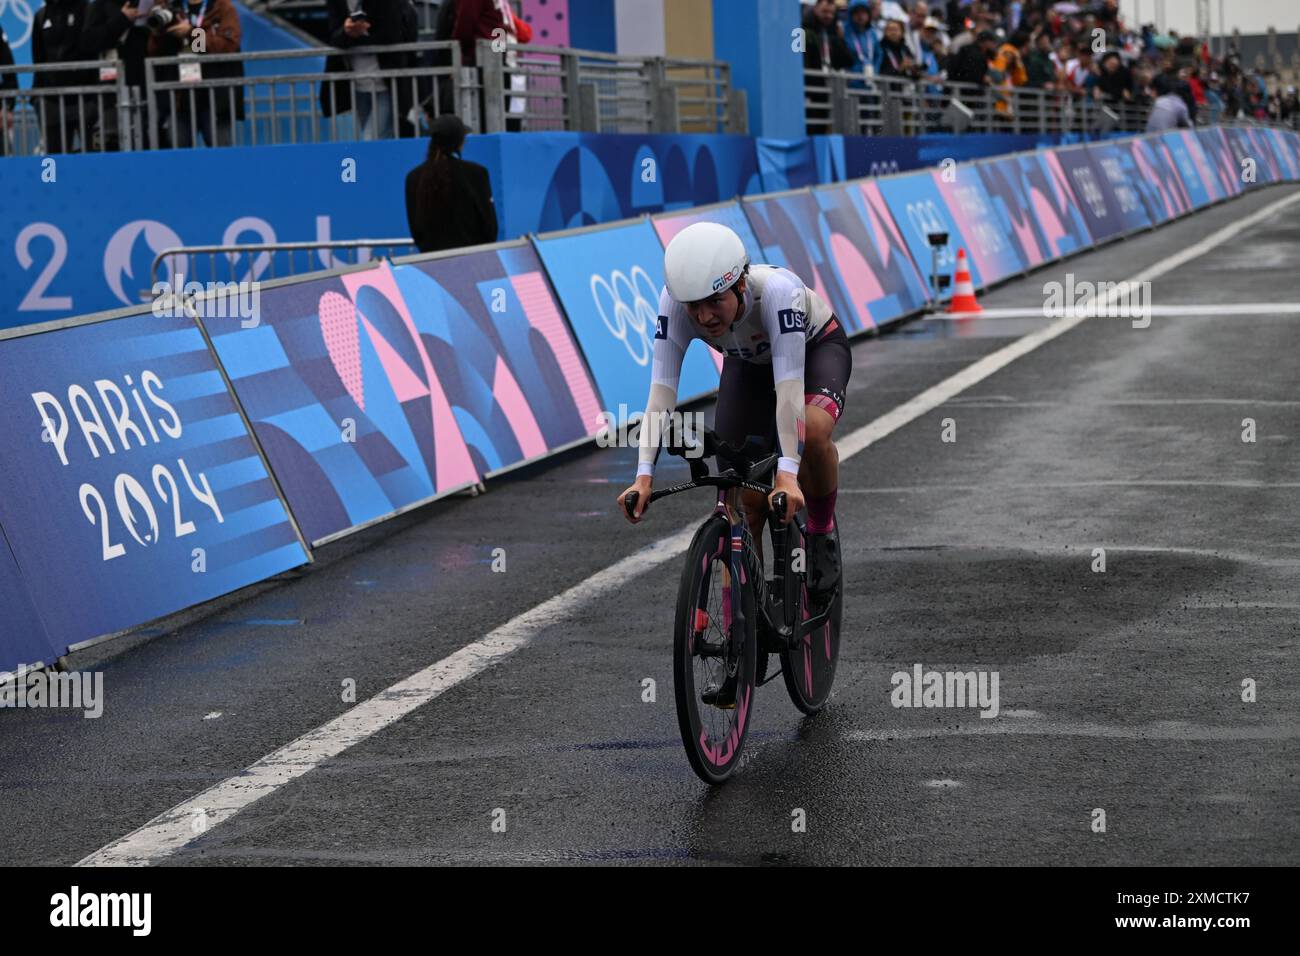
<point x="338" y="326"/>
<point x="539" y="307"/>
<point x="860" y="282"/>
<point x="1150" y="175"/>
<point x="1175" y="180"/>
<point x="1194" y="150"/>
<point x="453" y="466"/>
<point x="1045" y="213"/>
<point x="1028" y="241"/>
<point x="880" y="211"/>
<point x="406" y="384"/>
<point x="1064" y="195"/>
<point x="522" y="421"/>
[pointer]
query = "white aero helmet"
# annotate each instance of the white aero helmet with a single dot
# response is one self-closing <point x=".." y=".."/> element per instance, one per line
<point x="703" y="259"/>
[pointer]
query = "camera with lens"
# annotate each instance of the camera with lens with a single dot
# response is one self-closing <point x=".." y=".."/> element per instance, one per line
<point x="164" y="15"/>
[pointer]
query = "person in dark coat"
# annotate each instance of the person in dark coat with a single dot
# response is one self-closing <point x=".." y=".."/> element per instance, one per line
<point x="475" y="20"/>
<point x="971" y="63"/>
<point x="56" y="38"/>
<point x="8" y="84"/>
<point x="1116" y="80"/>
<point x="214" y="109"/>
<point x="824" y="45"/>
<point x="824" y="48"/>
<point x="115" y="32"/>
<point x="378" y="101"/>
<point x="449" y="200"/>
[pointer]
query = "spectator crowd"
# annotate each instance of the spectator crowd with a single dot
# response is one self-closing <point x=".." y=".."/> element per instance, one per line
<point x="118" y="36"/>
<point x="1083" y="50"/>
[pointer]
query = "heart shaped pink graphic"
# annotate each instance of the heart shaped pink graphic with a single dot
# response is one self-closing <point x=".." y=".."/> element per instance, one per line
<point x="338" y="326"/>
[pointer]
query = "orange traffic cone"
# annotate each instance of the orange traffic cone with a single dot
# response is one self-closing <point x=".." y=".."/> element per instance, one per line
<point x="963" y="290"/>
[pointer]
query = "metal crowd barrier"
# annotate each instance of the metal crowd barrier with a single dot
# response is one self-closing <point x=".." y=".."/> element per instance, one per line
<point x="87" y="115"/>
<point x="279" y="98"/>
<point x="536" y="87"/>
<point x="289" y="107"/>
<point x="855" y="104"/>
<point x="426" y="11"/>
<point x="246" y="262"/>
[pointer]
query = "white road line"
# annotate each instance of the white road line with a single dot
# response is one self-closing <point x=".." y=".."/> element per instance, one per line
<point x="1082" y="550"/>
<point x="1161" y="730"/>
<point x="186" y="822"/>
<point x="170" y="831"/>
<point x="1036" y="312"/>
<point x="1244" y="483"/>
<point x="1007" y="401"/>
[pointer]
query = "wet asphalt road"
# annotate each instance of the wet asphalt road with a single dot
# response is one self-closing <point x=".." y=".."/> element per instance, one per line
<point x="1118" y="691"/>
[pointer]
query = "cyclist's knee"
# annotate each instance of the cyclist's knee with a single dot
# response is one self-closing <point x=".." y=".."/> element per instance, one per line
<point x="818" y="428"/>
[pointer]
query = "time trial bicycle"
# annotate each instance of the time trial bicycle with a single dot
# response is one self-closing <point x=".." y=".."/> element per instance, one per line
<point x="731" y="617"/>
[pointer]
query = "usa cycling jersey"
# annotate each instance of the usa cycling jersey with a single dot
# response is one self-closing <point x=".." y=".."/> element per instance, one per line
<point x="778" y="317"/>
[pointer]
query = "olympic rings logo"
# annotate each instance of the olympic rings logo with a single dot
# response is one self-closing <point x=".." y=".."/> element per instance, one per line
<point x="23" y="11"/>
<point x="632" y="325"/>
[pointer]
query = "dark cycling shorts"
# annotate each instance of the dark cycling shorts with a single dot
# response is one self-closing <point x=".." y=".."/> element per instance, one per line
<point x="746" y="408"/>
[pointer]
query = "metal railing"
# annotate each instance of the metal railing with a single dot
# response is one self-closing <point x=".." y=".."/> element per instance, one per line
<point x="426" y="11"/>
<point x="287" y="96"/>
<point x="89" y="114"/>
<point x="249" y="262"/>
<point x="556" y="88"/>
<point x="304" y="105"/>
<point x="854" y="104"/>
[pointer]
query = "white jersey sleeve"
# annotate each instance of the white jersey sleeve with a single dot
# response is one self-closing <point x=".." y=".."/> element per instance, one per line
<point x="672" y="337"/>
<point x="784" y="316"/>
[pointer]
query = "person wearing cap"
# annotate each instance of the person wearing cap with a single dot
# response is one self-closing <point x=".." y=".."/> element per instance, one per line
<point x="934" y="43"/>
<point x="448" y="199"/>
<point x="861" y="36"/>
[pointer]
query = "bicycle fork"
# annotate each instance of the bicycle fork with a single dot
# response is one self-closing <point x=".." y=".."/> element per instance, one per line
<point x="737" y="576"/>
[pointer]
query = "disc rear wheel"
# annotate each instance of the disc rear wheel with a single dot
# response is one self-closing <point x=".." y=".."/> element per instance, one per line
<point x="809" y="668"/>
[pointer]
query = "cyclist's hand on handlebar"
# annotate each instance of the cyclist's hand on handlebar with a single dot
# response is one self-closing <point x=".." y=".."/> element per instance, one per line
<point x="641" y="488"/>
<point x="788" y="483"/>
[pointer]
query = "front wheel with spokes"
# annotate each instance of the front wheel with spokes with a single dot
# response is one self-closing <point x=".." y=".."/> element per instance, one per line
<point x="711" y="647"/>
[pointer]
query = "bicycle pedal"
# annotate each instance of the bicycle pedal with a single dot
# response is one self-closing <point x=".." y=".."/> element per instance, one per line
<point x="722" y="696"/>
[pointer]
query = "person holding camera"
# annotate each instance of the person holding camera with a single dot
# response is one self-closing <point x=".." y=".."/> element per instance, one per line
<point x="115" y="34"/>
<point x="381" y="102"/>
<point x="189" y="29"/>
